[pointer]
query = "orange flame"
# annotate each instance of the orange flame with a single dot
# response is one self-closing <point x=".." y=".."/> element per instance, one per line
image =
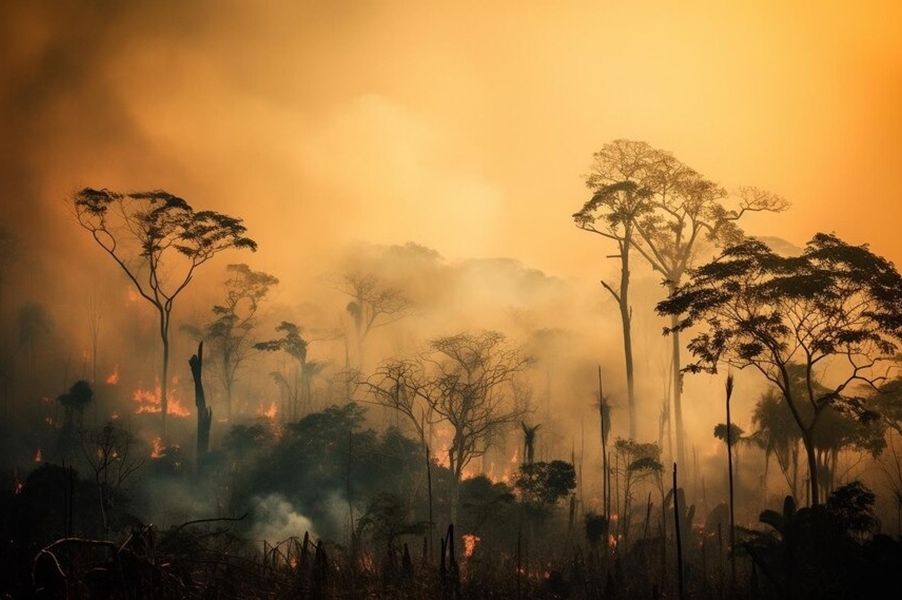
<point x="470" y="542"/>
<point x="113" y="378"/>
<point x="149" y="401"/>
<point x="159" y="450"/>
<point x="38" y="457"/>
<point x="269" y="413"/>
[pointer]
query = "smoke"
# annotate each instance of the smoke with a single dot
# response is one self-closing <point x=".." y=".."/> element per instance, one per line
<point x="276" y="520"/>
<point x="441" y="151"/>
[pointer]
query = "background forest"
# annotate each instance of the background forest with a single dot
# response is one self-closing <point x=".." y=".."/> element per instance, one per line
<point x="406" y="300"/>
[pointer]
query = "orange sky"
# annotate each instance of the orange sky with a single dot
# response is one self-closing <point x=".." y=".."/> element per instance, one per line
<point x="460" y="126"/>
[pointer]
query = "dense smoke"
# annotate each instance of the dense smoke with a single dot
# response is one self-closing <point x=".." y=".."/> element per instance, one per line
<point x="440" y="154"/>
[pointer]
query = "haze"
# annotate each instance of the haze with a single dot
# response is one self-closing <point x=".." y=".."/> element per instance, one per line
<point x="460" y="127"/>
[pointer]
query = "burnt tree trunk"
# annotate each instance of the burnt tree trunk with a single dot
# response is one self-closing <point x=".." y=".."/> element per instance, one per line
<point x="204" y="413"/>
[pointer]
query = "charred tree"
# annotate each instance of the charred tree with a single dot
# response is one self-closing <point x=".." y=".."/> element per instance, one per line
<point x="204" y="413"/>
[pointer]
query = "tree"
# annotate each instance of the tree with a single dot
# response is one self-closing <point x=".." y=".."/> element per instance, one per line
<point x="373" y="304"/>
<point x="294" y="344"/>
<point x="158" y="241"/>
<point x="74" y="402"/>
<point x="460" y="383"/>
<point x="109" y="452"/>
<point x="230" y="334"/>
<point x="647" y="200"/>
<point x="835" y="307"/>
<point x="618" y="201"/>
<point x="543" y="484"/>
<point x="529" y="441"/>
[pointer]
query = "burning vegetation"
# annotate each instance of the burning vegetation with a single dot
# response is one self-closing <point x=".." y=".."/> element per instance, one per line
<point x="370" y="448"/>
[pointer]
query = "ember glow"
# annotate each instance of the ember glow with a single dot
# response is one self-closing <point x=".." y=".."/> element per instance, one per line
<point x="113" y="377"/>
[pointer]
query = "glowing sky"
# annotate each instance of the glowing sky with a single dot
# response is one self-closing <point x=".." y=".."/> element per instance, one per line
<point x="464" y="126"/>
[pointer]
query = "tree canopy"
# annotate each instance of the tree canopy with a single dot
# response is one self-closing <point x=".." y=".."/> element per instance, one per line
<point x="835" y="309"/>
<point x="158" y="240"/>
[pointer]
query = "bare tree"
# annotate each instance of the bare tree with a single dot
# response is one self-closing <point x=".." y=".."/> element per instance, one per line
<point x="460" y="383"/>
<point x="373" y="304"/>
<point x="158" y="241"/>
<point x="109" y="453"/>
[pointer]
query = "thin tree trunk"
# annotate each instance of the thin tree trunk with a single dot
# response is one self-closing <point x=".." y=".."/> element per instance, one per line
<point x="677" y="392"/>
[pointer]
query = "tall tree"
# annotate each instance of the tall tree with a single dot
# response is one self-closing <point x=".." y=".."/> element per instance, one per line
<point x="648" y="201"/>
<point x="835" y="306"/>
<point x="687" y="211"/>
<point x="460" y="383"/>
<point x="618" y="201"/>
<point x="158" y="241"/>
<point x="230" y="334"/>
<point x="373" y="304"/>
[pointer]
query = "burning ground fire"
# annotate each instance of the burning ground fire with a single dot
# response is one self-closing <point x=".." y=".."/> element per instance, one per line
<point x="269" y="413"/>
<point x="470" y="542"/>
<point x="113" y="378"/>
<point x="149" y="401"/>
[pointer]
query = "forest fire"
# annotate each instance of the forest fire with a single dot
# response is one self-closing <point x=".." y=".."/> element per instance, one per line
<point x="470" y="540"/>
<point x="149" y="402"/>
<point x="269" y="413"/>
<point x="113" y="377"/>
<point x="158" y="450"/>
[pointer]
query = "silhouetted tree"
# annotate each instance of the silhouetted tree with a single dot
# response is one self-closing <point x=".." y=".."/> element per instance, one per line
<point x="110" y="452"/>
<point x="204" y="413"/>
<point x="295" y="345"/>
<point x="761" y="310"/>
<point x="544" y="484"/>
<point x="74" y="402"/>
<point x="373" y="304"/>
<point x="645" y="199"/>
<point x="158" y="241"/>
<point x="529" y="441"/>
<point x="461" y="384"/>
<point x="230" y="335"/>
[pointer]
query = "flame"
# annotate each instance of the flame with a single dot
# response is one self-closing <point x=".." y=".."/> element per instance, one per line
<point x="38" y="457"/>
<point x="149" y="401"/>
<point x="269" y="413"/>
<point x="159" y="450"/>
<point x="113" y="378"/>
<point x="470" y="540"/>
<point x="507" y="473"/>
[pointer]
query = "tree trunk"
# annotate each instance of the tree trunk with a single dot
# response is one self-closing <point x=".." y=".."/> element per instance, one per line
<point x="204" y="413"/>
<point x="164" y="383"/>
<point x="812" y="467"/>
<point x="678" y="394"/>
